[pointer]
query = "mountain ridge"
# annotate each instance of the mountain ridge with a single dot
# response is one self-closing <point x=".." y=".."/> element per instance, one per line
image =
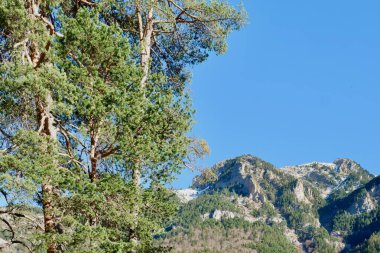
<point x="302" y="201"/>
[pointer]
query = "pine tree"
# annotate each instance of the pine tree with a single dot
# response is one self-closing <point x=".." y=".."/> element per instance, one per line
<point x="28" y="80"/>
<point x="96" y="114"/>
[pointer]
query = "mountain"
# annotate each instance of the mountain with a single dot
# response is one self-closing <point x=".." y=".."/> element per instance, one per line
<point x="246" y="204"/>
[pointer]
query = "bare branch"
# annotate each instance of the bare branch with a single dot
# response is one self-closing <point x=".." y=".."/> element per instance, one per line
<point x="107" y="152"/>
<point x="6" y="135"/>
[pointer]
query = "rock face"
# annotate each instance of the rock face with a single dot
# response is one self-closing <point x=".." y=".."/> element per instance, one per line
<point x="247" y="176"/>
<point x="366" y="198"/>
<point x="218" y="215"/>
<point x="342" y="175"/>
<point x="185" y="195"/>
<point x="252" y="177"/>
<point x="346" y="166"/>
<point x="308" y="198"/>
<point x="241" y="176"/>
<point x="299" y="192"/>
<point x="365" y="204"/>
<point x="17" y="230"/>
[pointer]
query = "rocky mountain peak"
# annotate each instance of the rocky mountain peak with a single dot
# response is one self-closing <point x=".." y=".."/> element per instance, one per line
<point x="340" y="176"/>
<point x="248" y="175"/>
<point x="346" y="166"/>
<point x="338" y="201"/>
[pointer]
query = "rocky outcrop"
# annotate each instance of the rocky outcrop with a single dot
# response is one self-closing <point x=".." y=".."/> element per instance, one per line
<point x="341" y="175"/>
<point x="242" y="177"/>
<point x="185" y="195"/>
<point x="218" y="215"/>
<point x="364" y="204"/>
<point x="308" y="198"/>
<point x="367" y="201"/>
<point x="346" y="166"/>
<point x="245" y="175"/>
<point x="299" y="192"/>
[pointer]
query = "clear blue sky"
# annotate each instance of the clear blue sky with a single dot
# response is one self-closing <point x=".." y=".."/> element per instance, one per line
<point x="300" y="83"/>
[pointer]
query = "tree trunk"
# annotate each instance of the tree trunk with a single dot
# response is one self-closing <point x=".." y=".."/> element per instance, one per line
<point x="136" y="179"/>
<point x="146" y="37"/>
<point x="49" y="219"/>
<point x="93" y="154"/>
<point x="146" y="34"/>
<point x="46" y="127"/>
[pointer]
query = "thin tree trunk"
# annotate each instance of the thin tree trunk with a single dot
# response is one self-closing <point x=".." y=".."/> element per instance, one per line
<point x="94" y="163"/>
<point x="46" y="127"/>
<point x="146" y="37"/>
<point x="146" y="33"/>
<point x="49" y="219"/>
<point x="136" y="179"/>
<point x="93" y="154"/>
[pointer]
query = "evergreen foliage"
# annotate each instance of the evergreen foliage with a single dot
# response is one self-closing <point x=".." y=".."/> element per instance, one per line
<point x="95" y="114"/>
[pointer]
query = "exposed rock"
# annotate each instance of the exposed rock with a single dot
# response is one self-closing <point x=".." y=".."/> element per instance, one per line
<point x="293" y="238"/>
<point x="185" y="195"/>
<point x="218" y="215"/>
<point x="291" y="198"/>
<point x="244" y="175"/>
<point x="375" y="193"/>
<point x="346" y="166"/>
<point x="330" y="177"/>
<point x="365" y="204"/>
<point x="240" y="175"/>
<point x="299" y="192"/>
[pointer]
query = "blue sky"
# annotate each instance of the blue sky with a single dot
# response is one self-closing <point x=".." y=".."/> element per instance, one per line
<point x="300" y="83"/>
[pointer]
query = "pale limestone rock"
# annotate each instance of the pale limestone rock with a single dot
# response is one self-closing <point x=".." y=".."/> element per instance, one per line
<point x="219" y="214"/>
<point x="365" y="204"/>
<point x="299" y="191"/>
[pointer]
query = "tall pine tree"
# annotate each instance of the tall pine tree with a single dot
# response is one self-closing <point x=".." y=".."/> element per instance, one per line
<point x="96" y="114"/>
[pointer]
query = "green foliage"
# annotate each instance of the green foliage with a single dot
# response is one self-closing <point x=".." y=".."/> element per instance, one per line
<point x="372" y="245"/>
<point x="266" y="210"/>
<point x="271" y="240"/>
<point x="190" y="213"/>
<point x="296" y="213"/>
<point x="77" y="120"/>
<point x="238" y="233"/>
<point x="356" y="178"/>
<point x="344" y="222"/>
<point x="191" y="30"/>
<point x="356" y="228"/>
<point x="302" y="216"/>
<point x="207" y="176"/>
<point x="317" y="239"/>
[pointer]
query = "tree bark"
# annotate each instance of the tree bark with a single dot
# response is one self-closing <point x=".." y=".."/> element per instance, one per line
<point x="93" y="154"/>
<point x="46" y="127"/>
<point x="146" y="33"/>
<point x="136" y="179"/>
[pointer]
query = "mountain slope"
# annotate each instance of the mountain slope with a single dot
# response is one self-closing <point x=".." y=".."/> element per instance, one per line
<point x="356" y="216"/>
<point x="294" y="203"/>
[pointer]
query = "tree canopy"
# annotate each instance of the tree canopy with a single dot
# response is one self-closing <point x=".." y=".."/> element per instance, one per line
<point x="95" y="115"/>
